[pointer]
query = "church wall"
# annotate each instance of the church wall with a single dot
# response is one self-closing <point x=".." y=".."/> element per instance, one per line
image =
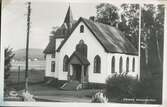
<point x="94" y="48"/>
<point x="124" y="57"/>
<point x="48" y="72"/>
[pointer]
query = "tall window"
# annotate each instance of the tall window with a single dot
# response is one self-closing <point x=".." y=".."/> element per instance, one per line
<point x="53" y="66"/>
<point x="113" y="65"/>
<point x="127" y="64"/>
<point x="97" y="64"/>
<point x="65" y="63"/>
<point x="81" y="29"/>
<point x="120" y="65"/>
<point x="133" y="65"/>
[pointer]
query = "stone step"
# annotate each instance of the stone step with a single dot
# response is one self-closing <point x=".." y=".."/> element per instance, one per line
<point x="72" y="85"/>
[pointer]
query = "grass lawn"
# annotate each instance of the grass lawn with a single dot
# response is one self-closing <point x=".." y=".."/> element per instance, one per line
<point x="19" y="77"/>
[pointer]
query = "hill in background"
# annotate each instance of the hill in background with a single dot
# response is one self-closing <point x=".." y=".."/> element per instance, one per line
<point x="34" y="54"/>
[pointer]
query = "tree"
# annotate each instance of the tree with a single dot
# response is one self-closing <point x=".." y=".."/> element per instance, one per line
<point x="152" y="34"/>
<point x="107" y="13"/>
<point x="129" y="24"/>
<point x="127" y="19"/>
<point x="152" y="27"/>
<point x="8" y="57"/>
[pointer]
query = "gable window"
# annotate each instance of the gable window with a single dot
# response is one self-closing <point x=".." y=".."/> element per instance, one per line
<point x="127" y="64"/>
<point x="113" y="65"/>
<point x="53" y="66"/>
<point x="97" y="64"/>
<point x="81" y="29"/>
<point x="65" y="63"/>
<point x="120" y="65"/>
<point x="133" y="65"/>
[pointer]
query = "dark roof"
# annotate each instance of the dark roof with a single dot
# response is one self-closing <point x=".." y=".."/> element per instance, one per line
<point x="109" y="37"/>
<point x="61" y="32"/>
<point x="50" y="49"/>
<point x="81" y="58"/>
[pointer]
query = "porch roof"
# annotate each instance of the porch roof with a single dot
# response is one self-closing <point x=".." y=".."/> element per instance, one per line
<point x="82" y="59"/>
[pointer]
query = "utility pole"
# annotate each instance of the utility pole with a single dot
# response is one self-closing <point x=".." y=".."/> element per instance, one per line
<point x="27" y="45"/>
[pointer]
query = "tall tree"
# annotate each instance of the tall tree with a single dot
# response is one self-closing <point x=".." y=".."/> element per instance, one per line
<point x="152" y="34"/>
<point x="128" y="14"/>
<point x="129" y="24"/>
<point x="107" y="13"/>
<point x="152" y="27"/>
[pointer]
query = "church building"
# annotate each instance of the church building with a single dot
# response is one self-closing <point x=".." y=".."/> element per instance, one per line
<point x="87" y="51"/>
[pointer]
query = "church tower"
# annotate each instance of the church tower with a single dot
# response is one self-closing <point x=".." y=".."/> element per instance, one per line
<point x="68" y="20"/>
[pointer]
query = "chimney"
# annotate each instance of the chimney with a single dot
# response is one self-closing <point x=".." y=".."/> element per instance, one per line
<point x="92" y="18"/>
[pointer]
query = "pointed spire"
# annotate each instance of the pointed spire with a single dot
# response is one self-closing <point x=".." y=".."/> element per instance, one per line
<point x="68" y="18"/>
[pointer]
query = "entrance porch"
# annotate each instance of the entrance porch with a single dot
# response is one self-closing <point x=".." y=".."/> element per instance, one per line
<point x="78" y="68"/>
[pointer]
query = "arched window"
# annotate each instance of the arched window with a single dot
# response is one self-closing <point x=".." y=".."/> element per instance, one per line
<point x="53" y="66"/>
<point x="65" y="63"/>
<point x="127" y="64"/>
<point x="97" y="64"/>
<point x="120" y="64"/>
<point x="113" y="65"/>
<point x="133" y="65"/>
<point x="81" y="29"/>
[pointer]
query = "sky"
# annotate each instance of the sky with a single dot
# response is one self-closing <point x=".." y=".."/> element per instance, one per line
<point x="44" y="16"/>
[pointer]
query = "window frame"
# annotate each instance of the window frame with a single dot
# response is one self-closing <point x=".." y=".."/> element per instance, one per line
<point x="82" y="29"/>
<point x="127" y="64"/>
<point x="113" y="65"/>
<point x="133" y="65"/>
<point x="65" y="63"/>
<point x="53" y="66"/>
<point x="120" y="65"/>
<point x="97" y="64"/>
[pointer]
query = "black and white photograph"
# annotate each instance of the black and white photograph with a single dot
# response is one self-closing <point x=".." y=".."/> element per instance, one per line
<point x="92" y="52"/>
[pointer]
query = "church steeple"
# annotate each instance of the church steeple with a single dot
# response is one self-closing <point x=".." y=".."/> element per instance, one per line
<point x="68" y="18"/>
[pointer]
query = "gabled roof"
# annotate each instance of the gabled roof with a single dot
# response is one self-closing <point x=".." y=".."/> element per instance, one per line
<point x="82" y="59"/>
<point x="50" y="49"/>
<point x="109" y="37"/>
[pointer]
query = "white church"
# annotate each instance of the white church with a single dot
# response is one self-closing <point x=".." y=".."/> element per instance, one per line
<point x="89" y="52"/>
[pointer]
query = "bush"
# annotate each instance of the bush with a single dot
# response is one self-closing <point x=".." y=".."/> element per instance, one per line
<point x="99" y="98"/>
<point x="121" y="86"/>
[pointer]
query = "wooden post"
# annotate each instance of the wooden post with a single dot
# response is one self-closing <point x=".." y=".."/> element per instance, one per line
<point x="27" y="45"/>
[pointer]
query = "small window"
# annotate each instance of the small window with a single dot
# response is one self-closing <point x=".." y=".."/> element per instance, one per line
<point x="65" y="63"/>
<point x="127" y="64"/>
<point x="97" y="64"/>
<point x="81" y="29"/>
<point x="133" y="65"/>
<point x="53" y="66"/>
<point x="120" y="65"/>
<point x="113" y="65"/>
